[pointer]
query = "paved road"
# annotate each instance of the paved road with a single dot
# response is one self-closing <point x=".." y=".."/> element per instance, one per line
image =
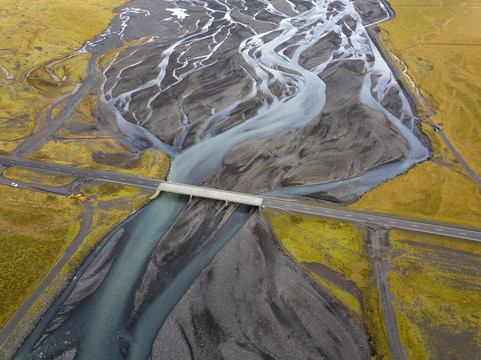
<point x="365" y="217"/>
<point x="293" y="205"/>
<point x="329" y="211"/>
<point x="7" y="161"/>
<point x="111" y="176"/>
<point x="7" y="330"/>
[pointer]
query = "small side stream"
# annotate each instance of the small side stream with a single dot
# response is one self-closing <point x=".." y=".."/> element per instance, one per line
<point x="96" y="326"/>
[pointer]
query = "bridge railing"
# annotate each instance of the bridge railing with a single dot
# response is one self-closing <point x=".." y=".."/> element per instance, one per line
<point x="210" y="193"/>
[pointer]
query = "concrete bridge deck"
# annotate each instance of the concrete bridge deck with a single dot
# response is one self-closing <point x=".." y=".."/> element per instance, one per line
<point x="215" y="194"/>
<point x="333" y="212"/>
<point x="289" y="205"/>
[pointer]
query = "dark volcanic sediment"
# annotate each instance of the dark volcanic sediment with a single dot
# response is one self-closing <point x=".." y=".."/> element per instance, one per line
<point x="204" y="93"/>
<point x="253" y="302"/>
<point x="254" y="96"/>
<point x="196" y="224"/>
<point x="345" y="140"/>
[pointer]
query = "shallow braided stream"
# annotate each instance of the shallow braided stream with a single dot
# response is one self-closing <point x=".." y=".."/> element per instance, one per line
<point x="284" y="97"/>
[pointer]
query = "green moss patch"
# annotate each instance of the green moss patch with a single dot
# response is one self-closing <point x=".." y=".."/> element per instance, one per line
<point x="438" y="284"/>
<point x="333" y="252"/>
<point x="37" y="177"/>
<point x="35" y="229"/>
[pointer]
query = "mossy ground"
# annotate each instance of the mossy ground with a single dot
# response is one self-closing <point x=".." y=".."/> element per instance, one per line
<point x="36" y="34"/>
<point x="104" y="154"/>
<point x="341" y="247"/>
<point x="39" y="65"/>
<point x="112" y="203"/>
<point x="428" y="191"/>
<point x="436" y="280"/>
<point x="438" y="41"/>
<point x="35" y="228"/>
<point x="438" y="284"/>
<point x="37" y="177"/>
<point x="82" y="142"/>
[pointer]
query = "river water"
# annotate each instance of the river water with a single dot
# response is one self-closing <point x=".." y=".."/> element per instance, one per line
<point x="96" y="327"/>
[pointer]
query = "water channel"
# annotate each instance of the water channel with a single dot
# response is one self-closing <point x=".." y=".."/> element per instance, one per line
<point x="96" y="327"/>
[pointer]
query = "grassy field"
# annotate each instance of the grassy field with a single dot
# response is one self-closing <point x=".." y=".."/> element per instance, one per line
<point x="104" y="154"/>
<point x="438" y="284"/>
<point x="113" y="203"/>
<point x="37" y="34"/>
<point x="427" y="191"/>
<point x="333" y="252"/>
<point x="81" y="142"/>
<point x="37" y="177"/>
<point x="438" y="41"/>
<point x="39" y="64"/>
<point x="35" y="233"/>
<point x="35" y="229"/>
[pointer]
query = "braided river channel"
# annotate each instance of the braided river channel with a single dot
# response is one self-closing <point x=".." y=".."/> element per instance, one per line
<point x="288" y="98"/>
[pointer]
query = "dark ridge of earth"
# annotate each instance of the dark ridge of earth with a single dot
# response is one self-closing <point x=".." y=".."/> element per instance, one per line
<point x="253" y="302"/>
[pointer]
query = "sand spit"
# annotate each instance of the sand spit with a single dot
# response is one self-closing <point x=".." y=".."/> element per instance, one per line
<point x="253" y="302"/>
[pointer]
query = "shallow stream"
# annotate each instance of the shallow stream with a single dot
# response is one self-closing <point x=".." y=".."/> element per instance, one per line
<point x="97" y="326"/>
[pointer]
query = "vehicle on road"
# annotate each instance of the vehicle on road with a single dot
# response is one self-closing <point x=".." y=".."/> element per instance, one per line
<point x="14" y="184"/>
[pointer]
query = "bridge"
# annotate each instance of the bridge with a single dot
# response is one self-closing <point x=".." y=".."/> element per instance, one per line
<point x="215" y="194"/>
<point x="288" y="205"/>
<point x="324" y="210"/>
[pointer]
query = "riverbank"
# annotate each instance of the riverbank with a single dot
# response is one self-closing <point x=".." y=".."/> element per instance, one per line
<point x="435" y="315"/>
<point x="44" y="65"/>
<point x="426" y="190"/>
<point x="107" y="205"/>
<point x="211" y="102"/>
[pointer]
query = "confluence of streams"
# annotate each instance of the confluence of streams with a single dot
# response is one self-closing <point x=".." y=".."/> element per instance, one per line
<point x="97" y="325"/>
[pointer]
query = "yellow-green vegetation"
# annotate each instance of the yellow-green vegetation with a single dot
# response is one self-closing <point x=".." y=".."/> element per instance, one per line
<point x="57" y="78"/>
<point x="113" y="203"/>
<point x="85" y="115"/>
<point x="340" y="247"/>
<point x="427" y="191"/>
<point x="411" y="337"/>
<point x="35" y="228"/>
<point x="437" y="282"/>
<point x="109" y="191"/>
<point x="151" y="163"/>
<point x="38" y="59"/>
<point x="81" y="142"/>
<point x="37" y="177"/>
<point x="6" y="147"/>
<point x="110" y="155"/>
<point x="442" y="49"/>
<point x="438" y="42"/>
<point x="78" y="152"/>
<point x="35" y="235"/>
